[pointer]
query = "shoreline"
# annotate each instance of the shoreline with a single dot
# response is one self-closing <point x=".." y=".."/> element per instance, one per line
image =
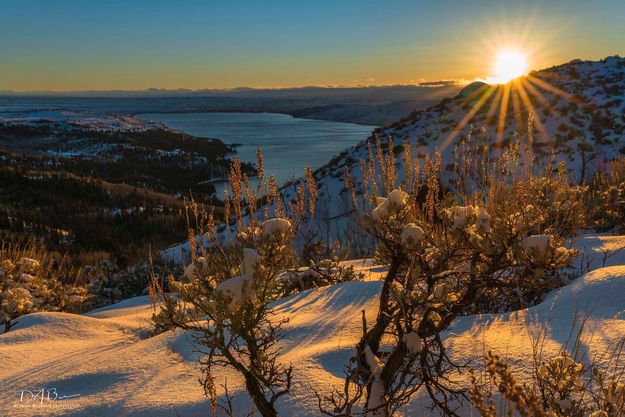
<point x="293" y="114"/>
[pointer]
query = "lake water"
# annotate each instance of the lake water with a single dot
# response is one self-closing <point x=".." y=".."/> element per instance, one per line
<point x="288" y="143"/>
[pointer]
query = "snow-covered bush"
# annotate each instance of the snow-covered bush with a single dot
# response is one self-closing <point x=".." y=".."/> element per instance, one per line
<point x="30" y="282"/>
<point x="449" y="254"/>
<point x="557" y="204"/>
<point x="224" y="295"/>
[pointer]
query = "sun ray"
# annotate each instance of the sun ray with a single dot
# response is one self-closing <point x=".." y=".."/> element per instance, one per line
<point x="530" y="107"/>
<point x="475" y="95"/>
<point x="513" y="44"/>
<point x="547" y="86"/>
<point x="476" y="107"/>
<point x="516" y="104"/>
<point x="493" y="105"/>
<point x="534" y="91"/>
<point x="528" y="27"/>
<point x="503" y="113"/>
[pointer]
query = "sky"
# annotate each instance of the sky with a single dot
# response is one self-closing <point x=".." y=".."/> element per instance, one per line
<point x="71" y="45"/>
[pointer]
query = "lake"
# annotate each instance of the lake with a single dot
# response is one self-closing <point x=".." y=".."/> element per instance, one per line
<point x="288" y="143"/>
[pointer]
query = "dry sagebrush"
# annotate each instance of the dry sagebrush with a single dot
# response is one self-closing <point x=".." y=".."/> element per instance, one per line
<point x="606" y="199"/>
<point x="495" y="249"/>
<point x="562" y="388"/>
<point x="31" y="280"/>
<point x="224" y="297"/>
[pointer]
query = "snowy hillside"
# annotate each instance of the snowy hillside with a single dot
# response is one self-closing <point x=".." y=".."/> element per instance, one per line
<point x="578" y="113"/>
<point x="107" y="364"/>
<point x="579" y="117"/>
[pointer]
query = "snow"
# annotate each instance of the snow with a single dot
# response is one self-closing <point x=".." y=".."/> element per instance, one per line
<point x="538" y="243"/>
<point x="411" y="234"/>
<point x="28" y="264"/>
<point x="26" y="277"/>
<point x="381" y="211"/>
<point x="483" y="220"/>
<point x="376" y="399"/>
<point x="81" y="119"/>
<point x="616" y="395"/>
<point x="277" y="226"/>
<point x="460" y="215"/>
<point x="237" y="290"/>
<point x="397" y="198"/>
<point x="373" y="362"/>
<point x="119" y="368"/>
<point x="413" y="342"/>
<point x="511" y="335"/>
<point x="191" y="271"/>
<point x="250" y="257"/>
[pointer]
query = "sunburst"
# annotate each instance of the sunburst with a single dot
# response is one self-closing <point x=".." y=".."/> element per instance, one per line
<point x="518" y="97"/>
<point x="511" y="92"/>
<point x="509" y="64"/>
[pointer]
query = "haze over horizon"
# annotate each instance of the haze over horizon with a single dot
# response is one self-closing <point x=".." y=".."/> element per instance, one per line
<point x="244" y="89"/>
<point x="77" y="46"/>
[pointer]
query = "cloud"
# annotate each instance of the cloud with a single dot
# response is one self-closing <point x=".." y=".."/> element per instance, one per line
<point x="440" y="83"/>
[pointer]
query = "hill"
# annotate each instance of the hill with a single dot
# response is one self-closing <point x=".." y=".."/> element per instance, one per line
<point x="100" y="186"/>
<point x="577" y="116"/>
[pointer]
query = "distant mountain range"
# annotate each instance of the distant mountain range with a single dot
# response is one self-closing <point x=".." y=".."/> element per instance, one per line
<point x="366" y="92"/>
<point x="375" y="105"/>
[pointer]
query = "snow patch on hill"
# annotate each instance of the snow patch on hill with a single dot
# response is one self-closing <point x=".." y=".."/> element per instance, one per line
<point x="77" y="119"/>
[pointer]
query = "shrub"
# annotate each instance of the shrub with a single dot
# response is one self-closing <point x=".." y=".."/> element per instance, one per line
<point x="327" y="271"/>
<point x="225" y="294"/>
<point x="562" y="388"/>
<point x="30" y="281"/>
<point x="108" y="284"/>
<point x="497" y="248"/>
<point x="606" y="201"/>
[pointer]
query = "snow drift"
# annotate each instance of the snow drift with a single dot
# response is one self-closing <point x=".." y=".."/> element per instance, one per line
<point x="111" y="366"/>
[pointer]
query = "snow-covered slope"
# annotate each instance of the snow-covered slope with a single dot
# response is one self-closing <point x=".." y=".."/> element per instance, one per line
<point x="578" y="104"/>
<point x="581" y="102"/>
<point x="108" y="359"/>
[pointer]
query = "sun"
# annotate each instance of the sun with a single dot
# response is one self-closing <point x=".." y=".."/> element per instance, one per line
<point x="509" y="65"/>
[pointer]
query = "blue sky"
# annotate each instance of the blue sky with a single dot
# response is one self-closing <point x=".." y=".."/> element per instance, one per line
<point x="136" y="44"/>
